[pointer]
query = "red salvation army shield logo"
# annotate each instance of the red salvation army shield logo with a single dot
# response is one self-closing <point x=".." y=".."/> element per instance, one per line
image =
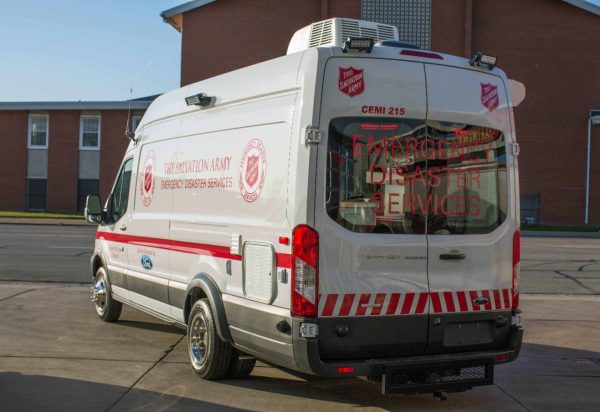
<point x="148" y="178"/>
<point x="489" y="96"/>
<point x="351" y="81"/>
<point x="253" y="170"/>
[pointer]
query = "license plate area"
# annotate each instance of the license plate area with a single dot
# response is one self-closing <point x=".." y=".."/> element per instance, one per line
<point x="443" y="376"/>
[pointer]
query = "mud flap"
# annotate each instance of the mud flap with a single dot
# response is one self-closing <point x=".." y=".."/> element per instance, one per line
<point x="443" y="376"/>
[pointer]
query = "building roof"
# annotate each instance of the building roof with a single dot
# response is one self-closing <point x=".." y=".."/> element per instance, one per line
<point x="141" y="103"/>
<point x="585" y="5"/>
<point x="173" y="15"/>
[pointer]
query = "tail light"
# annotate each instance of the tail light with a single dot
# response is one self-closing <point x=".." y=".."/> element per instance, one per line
<point x="305" y="273"/>
<point x="516" y="267"/>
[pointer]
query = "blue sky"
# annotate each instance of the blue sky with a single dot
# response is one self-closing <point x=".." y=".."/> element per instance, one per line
<point x="86" y="50"/>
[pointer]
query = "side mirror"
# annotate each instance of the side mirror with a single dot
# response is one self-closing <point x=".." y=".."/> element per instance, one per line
<point x="93" y="209"/>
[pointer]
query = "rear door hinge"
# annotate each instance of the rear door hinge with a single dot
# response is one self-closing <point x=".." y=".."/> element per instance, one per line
<point x="313" y="135"/>
<point x="516" y="149"/>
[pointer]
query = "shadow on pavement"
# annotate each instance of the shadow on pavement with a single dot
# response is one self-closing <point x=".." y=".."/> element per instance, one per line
<point x="20" y="392"/>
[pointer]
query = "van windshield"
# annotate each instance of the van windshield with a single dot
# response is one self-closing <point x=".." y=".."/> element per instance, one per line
<point x="408" y="176"/>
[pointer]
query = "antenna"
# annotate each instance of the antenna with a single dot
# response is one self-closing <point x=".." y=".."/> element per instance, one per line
<point x="131" y="134"/>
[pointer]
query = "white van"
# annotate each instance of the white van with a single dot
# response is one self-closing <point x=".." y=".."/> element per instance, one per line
<point x="350" y="209"/>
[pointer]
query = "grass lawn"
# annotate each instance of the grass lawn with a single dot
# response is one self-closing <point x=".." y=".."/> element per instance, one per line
<point x="41" y="215"/>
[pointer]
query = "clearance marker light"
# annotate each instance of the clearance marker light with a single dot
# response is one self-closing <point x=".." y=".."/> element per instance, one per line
<point x="480" y="59"/>
<point x="360" y="44"/>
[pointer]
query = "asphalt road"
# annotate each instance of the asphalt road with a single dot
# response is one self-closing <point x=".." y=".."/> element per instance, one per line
<point x="46" y="253"/>
<point x="55" y="354"/>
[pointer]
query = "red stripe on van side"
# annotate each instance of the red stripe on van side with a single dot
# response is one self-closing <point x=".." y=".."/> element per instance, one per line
<point x="435" y="301"/>
<point x="462" y="301"/>
<point x="506" y="298"/>
<point x="497" y="301"/>
<point x="379" y="299"/>
<point x="283" y="259"/>
<point x="486" y="294"/>
<point x="422" y="302"/>
<point x="329" y="304"/>
<point x="393" y="304"/>
<point x="347" y="304"/>
<point x="408" y="301"/>
<point x="449" y="302"/>
<point x="364" y="300"/>
<point x="473" y="295"/>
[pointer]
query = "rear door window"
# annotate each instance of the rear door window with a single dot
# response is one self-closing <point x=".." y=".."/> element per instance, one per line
<point x="403" y="176"/>
<point x="375" y="175"/>
<point x="468" y="187"/>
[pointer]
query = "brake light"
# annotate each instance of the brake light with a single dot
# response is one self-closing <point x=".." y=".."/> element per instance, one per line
<point x="516" y="267"/>
<point x="305" y="274"/>
<point x="346" y="369"/>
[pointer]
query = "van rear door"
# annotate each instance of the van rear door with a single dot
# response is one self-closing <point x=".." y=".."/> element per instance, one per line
<point x="471" y="216"/>
<point x="369" y="210"/>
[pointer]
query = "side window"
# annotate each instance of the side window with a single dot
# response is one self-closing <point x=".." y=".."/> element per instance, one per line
<point x="120" y="194"/>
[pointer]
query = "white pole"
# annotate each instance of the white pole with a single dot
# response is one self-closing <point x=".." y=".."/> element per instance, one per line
<point x="587" y="170"/>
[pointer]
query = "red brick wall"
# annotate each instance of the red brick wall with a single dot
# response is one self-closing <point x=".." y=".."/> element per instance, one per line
<point x="552" y="47"/>
<point x="230" y="34"/>
<point x="63" y="161"/>
<point x="13" y="167"/>
<point x="113" y="147"/>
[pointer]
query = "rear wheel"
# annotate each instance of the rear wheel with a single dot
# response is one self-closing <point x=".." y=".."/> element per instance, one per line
<point x="107" y="308"/>
<point x="209" y="355"/>
<point x="239" y="366"/>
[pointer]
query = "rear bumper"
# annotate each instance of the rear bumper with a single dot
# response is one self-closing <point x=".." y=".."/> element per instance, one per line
<point x="306" y="354"/>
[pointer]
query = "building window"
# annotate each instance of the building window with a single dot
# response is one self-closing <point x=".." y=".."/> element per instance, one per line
<point x="412" y="17"/>
<point x="89" y="133"/>
<point x="38" y="132"/>
<point x="86" y="187"/>
<point x="135" y="122"/>
<point x="36" y="194"/>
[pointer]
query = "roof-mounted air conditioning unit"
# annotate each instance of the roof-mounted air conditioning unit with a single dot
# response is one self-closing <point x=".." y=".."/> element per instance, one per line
<point x="333" y="32"/>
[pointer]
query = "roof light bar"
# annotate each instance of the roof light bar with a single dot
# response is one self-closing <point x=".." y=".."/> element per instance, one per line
<point x="480" y="59"/>
<point x="360" y="44"/>
<point x="200" y="99"/>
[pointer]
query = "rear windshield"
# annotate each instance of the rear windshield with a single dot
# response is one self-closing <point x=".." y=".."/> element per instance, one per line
<point x="407" y="176"/>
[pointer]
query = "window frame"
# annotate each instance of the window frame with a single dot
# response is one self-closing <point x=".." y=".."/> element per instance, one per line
<point x="81" y="121"/>
<point x="30" y="130"/>
<point x="109" y="207"/>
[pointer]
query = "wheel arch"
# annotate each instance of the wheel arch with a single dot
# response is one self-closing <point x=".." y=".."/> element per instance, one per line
<point x="96" y="262"/>
<point x="202" y="286"/>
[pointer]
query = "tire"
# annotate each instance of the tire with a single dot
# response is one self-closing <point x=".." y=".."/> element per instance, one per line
<point x="107" y="308"/>
<point x="240" y="368"/>
<point x="209" y="355"/>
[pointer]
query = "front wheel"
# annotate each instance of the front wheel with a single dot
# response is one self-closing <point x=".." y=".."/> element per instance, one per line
<point x="107" y="308"/>
<point x="210" y="356"/>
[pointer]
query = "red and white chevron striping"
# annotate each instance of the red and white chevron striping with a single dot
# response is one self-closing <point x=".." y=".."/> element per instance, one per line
<point x="412" y="303"/>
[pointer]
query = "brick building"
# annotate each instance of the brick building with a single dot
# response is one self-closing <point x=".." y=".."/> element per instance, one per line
<point x="56" y="153"/>
<point x="549" y="45"/>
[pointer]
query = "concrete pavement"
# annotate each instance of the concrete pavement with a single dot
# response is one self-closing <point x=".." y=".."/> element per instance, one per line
<point x="56" y="355"/>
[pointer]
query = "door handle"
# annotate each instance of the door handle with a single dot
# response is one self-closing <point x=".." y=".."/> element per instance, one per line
<point x="452" y="256"/>
<point x="122" y="227"/>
